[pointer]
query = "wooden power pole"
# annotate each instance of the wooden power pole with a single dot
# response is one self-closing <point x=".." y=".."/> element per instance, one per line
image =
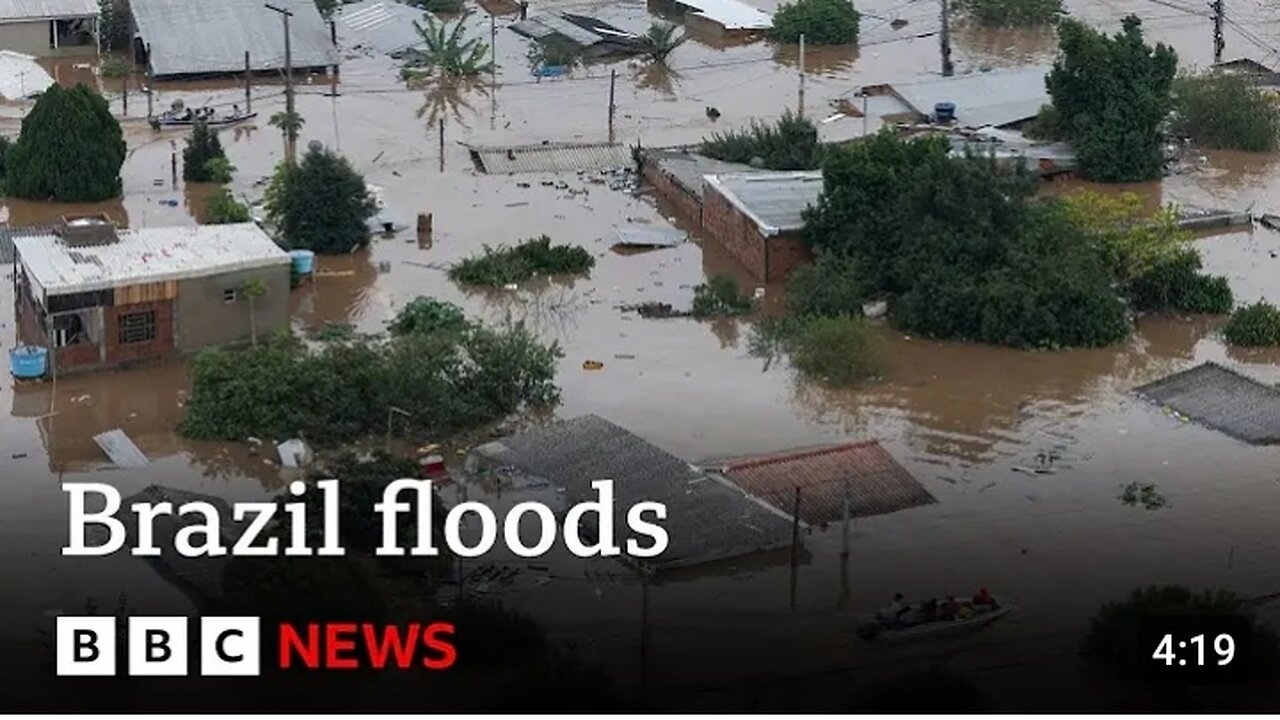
<point x="1219" y="14"/>
<point x="291" y="129"/>
<point x="947" y="68"/>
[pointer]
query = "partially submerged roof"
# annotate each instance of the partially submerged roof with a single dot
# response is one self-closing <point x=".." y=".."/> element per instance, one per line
<point x="775" y="201"/>
<point x="995" y="97"/>
<point x="591" y="33"/>
<point x="384" y="25"/>
<point x="120" y="449"/>
<point x="21" y="76"/>
<point x="874" y="482"/>
<point x="28" y="10"/>
<point x="730" y="14"/>
<point x="1222" y="399"/>
<point x="200" y="38"/>
<point x="145" y="255"/>
<point x="689" y="168"/>
<point x="551" y="157"/>
<point x="707" y="519"/>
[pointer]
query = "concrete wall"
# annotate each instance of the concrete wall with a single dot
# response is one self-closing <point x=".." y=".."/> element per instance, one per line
<point x="205" y="319"/>
<point x="30" y="38"/>
<point x="770" y="259"/>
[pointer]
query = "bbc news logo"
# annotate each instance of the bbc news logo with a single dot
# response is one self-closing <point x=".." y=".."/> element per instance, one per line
<point x="232" y="646"/>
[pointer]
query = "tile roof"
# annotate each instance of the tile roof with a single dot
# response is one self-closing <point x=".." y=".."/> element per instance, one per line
<point x="877" y="484"/>
<point x="1222" y="399"/>
<point x="551" y="157"/>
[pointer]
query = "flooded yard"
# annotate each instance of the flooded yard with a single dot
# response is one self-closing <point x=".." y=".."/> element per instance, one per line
<point x="1027" y="453"/>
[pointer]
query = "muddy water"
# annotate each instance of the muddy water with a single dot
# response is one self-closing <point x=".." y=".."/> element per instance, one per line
<point x="960" y="417"/>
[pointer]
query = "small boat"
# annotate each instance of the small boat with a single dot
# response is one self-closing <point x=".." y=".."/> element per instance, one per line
<point x="873" y="626"/>
<point x="1270" y="221"/>
<point x="182" y="117"/>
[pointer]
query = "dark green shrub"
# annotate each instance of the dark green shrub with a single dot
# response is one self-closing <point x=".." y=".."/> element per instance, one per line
<point x="718" y="297"/>
<point x="496" y="267"/>
<point x="1226" y="110"/>
<point x="837" y="350"/>
<point x="791" y="143"/>
<point x="822" y="22"/>
<point x="1175" y="283"/>
<point x="830" y="287"/>
<point x="1256" y="325"/>
<point x="70" y="149"/>
<point x="1007" y="13"/>
<point x="424" y="315"/>
<point x="223" y="209"/>
<point x="203" y="146"/>
<point x="443" y="7"/>
<point x="321" y="205"/>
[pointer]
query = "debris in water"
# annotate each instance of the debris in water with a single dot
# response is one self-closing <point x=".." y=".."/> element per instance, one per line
<point x="1146" y="495"/>
<point x="592" y="365"/>
<point x="624" y="356"/>
<point x="19" y="456"/>
<point x="653" y="309"/>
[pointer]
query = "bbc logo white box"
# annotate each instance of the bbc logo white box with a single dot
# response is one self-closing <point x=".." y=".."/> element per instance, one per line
<point x="230" y="646"/>
<point x="158" y="646"/>
<point x="86" y="645"/>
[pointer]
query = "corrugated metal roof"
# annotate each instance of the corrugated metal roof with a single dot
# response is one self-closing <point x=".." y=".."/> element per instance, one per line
<point x="383" y="25"/>
<point x="1222" y="399"/>
<point x="731" y="14"/>
<point x="551" y="157"/>
<point x="198" y="38"/>
<point x="46" y="9"/>
<point x="876" y="484"/>
<point x="996" y="97"/>
<point x="563" y="27"/>
<point x="21" y="76"/>
<point x="707" y="519"/>
<point x="775" y="201"/>
<point x="689" y="169"/>
<point x="146" y="255"/>
<point x="121" y="449"/>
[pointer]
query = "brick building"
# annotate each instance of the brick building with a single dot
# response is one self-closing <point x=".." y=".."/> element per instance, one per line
<point x="758" y="218"/>
<point x="103" y="297"/>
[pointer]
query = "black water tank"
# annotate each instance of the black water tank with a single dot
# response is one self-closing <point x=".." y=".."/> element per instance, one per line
<point x="945" y="112"/>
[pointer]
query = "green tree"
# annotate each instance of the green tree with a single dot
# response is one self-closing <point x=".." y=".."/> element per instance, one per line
<point x="223" y="209"/>
<point x="203" y="147"/>
<point x="1112" y="93"/>
<point x="70" y="149"/>
<point x="322" y="204"/>
<point x="822" y="22"/>
<point x="290" y="124"/>
<point x="113" y="24"/>
<point x="1255" y="325"/>
<point x="447" y="51"/>
<point x="1011" y="13"/>
<point x="661" y="40"/>
<point x="253" y="290"/>
<point x="1226" y="110"/>
<point x="326" y="7"/>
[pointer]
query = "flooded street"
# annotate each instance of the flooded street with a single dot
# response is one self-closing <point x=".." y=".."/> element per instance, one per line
<point x="962" y="418"/>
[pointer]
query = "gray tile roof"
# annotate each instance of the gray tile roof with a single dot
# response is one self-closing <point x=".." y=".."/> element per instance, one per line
<point x="775" y="201"/>
<point x="206" y="38"/>
<point x="1222" y="399"/>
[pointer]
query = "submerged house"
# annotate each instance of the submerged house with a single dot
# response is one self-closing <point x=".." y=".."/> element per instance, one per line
<point x="106" y="297"/>
<point x="49" y="27"/>
<point x="758" y="217"/>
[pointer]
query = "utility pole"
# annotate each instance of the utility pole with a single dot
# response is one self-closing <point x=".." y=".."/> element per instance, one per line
<point x="248" y="84"/>
<point x="291" y="129"/>
<point x="800" y="94"/>
<point x="151" y="85"/>
<point x="947" y="68"/>
<point x="613" y="79"/>
<point x="124" y="91"/>
<point x="1219" y="14"/>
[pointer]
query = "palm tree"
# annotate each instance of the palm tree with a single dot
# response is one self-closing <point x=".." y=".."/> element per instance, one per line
<point x="290" y="123"/>
<point x="660" y="40"/>
<point x="446" y="51"/>
<point x="253" y="289"/>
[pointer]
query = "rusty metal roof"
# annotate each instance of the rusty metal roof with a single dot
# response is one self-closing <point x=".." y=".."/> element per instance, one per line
<point x="551" y="157"/>
<point x="877" y="484"/>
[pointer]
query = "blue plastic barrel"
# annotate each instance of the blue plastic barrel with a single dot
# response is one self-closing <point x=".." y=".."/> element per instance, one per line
<point x="303" y="261"/>
<point x="28" y="362"/>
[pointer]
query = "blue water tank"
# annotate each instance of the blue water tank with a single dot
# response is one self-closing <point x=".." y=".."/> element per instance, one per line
<point x="303" y="261"/>
<point x="945" y="112"/>
<point x="28" y="362"/>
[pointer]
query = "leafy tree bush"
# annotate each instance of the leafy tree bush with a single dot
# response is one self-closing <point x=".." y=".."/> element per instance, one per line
<point x="443" y="7"/>
<point x="1131" y="241"/>
<point x="1176" y="283"/>
<point x="113" y="24"/>
<point x="822" y="22"/>
<point x="5" y="144"/>
<point x="962" y="249"/>
<point x="789" y="144"/>
<point x="830" y="286"/>
<point x="1112" y="94"/>
<point x="224" y="209"/>
<point x="424" y="316"/>
<point x="113" y="67"/>
<point x="1006" y="13"/>
<point x="326" y="7"/>
<point x="496" y="267"/>
<point x="70" y="149"/>
<point x="719" y="296"/>
<point x="447" y="51"/>
<point x="203" y="148"/>
<point x="661" y="39"/>
<point x="837" y="350"/>
<point x="552" y="51"/>
<point x="320" y="205"/>
<point x="446" y="381"/>
<point x="1121" y="637"/>
<point x="1226" y="110"/>
<point x="1256" y="325"/>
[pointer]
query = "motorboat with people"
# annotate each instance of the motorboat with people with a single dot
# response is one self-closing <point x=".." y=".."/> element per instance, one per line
<point x="904" y="621"/>
<point x="180" y="116"/>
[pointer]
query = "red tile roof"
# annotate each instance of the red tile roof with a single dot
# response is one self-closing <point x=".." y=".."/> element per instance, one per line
<point x="876" y="483"/>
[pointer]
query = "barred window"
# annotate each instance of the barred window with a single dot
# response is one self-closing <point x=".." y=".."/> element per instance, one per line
<point x="137" y="327"/>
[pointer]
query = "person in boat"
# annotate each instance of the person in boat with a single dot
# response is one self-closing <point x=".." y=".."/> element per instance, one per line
<point x="894" y="610"/>
<point x="984" y="600"/>
<point x="949" y="609"/>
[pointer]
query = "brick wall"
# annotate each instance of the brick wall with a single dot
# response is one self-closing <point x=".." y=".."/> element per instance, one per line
<point x="72" y="357"/>
<point x="722" y="223"/>
<point x="161" y="346"/>
<point x="786" y="252"/>
<point x="688" y="205"/>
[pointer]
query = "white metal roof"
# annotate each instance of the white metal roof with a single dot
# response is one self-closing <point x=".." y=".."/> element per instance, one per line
<point x="21" y="76"/>
<point x="190" y="37"/>
<point x="146" y="255"/>
<point x="775" y="201"/>
<point x="731" y="14"/>
<point x="24" y="10"/>
<point x="995" y="97"/>
<point x="384" y="25"/>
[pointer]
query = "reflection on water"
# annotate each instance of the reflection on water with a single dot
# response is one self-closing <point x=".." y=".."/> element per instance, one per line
<point x="445" y="99"/>
<point x="1004" y="47"/>
<point x="818" y="59"/>
<point x="340" y="291"/>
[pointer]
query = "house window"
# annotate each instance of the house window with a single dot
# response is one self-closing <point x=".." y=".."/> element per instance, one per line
<point x="229" y="295"/>
<point x="137" y="327"/>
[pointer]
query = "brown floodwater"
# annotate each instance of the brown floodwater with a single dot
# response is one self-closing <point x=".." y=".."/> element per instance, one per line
<point x="960" y="417"/>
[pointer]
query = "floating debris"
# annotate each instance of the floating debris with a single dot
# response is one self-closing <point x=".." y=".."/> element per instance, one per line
<point x="1146" y="495"/>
